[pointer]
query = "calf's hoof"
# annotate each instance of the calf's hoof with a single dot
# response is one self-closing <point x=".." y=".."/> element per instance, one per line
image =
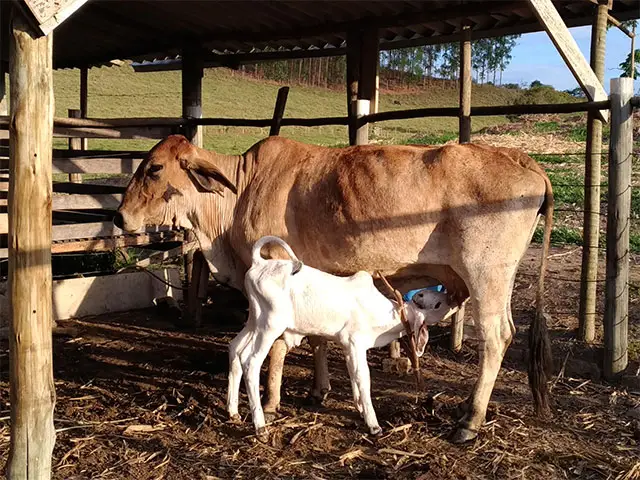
<point x="375" y="431"/>
<point x="463" y="435"/>
<point x="262" y="434"/>
<point x="235" y="418"/>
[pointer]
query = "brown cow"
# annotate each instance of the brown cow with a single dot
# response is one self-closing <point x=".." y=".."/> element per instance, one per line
<point x="462" y="214"/>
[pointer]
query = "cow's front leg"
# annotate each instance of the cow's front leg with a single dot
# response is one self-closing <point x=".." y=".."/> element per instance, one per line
<point x="274" y="379"/>
<point x="321" y="384"/>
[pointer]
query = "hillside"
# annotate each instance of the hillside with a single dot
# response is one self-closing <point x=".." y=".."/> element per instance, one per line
<point x="119" y="92"/>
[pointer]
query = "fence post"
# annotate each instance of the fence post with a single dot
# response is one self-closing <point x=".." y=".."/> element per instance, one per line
<point x="278" y="111"/>
<point x="75" y="143"/>
<point x="84" y="99"/>
<point x="593" y="161"/>
<point x="616" y="310"/>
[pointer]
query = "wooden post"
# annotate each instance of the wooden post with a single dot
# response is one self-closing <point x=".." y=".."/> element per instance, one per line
<point x="3" y="87"/>
<point x="593" y="160"/>
<point x="75" y="143"/>
<point x="369" y="60"/>
<point x="30" y="290"/>
<point x="465" y="85"/>
<point x="616" y="310"/>
<point x="192" y="73"/>
<point x="278" y="111"/>
<point x="353" y="75"/>
<point x="84" y="99"/>
<point x="457" y="329"/>
<point x="633" y="52"/>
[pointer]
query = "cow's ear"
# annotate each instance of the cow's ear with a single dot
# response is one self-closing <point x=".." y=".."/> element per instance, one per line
<point x="207" y="182"/>
<point x="201" y="166"/>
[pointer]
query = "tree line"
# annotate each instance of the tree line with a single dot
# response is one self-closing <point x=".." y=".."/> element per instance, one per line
<point x="490" y="57"/>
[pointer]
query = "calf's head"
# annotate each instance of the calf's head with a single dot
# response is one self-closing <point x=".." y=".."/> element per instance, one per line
<point x="426" y="308"/>
<point x="168" y="185"/>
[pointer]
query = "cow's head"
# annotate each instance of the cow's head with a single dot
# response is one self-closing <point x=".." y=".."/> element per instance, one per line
<point x="426" y="308"/>
<point x="167" y="185"/>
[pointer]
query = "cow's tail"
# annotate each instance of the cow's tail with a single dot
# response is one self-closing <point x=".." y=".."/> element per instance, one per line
<point x="256" y="257"/>
<point x="540" y="359"/>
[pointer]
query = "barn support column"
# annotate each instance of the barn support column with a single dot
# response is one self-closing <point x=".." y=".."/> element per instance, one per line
<point x="464" y="122"/>
<point x="353" y="75"/>
<point x="593" y="160"/>
<point x="75" y="143"/>
<point x="196" y="268"/>
<point x="369" y="60"/>
<point x="616" y="309"/>
<point x="30" y="288"/>
<point x="84" y="100"/>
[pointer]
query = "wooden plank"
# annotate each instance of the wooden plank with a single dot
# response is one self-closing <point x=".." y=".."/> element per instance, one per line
<point x="616" y="310"/>
<point x="84" y="188"/>
<point x="32" y="391"/>
<point x="457" y="329"/>
<point x="94" y="230"/>
<point x="591" y="224"/>
<point x="96" y="165"/>
<point x="464" y="123"/>
<point x="108" y="244"/>
<point x="566" y="45"/>
<point x="369" y="60"/>
<point x="125" y="133"/>
<point x="278" y="111"/>
<point x="88" y="202"/>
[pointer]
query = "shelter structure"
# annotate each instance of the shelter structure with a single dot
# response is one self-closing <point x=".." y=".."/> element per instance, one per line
<point x="40" y="35"/>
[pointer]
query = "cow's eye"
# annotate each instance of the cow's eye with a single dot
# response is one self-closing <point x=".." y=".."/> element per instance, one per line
<point x="154" y="169"/>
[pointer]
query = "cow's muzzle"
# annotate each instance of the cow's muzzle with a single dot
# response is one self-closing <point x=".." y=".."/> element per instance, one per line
<point x="118" y="221"/>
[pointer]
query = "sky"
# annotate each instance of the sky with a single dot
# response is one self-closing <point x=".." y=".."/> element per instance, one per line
<point x="535" y="58"/>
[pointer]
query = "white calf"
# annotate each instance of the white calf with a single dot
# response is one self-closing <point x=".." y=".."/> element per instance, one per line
<point x="289" y="299"/>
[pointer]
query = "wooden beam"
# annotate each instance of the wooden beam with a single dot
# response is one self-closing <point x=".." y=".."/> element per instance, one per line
<point x="593" y="161"/>
<point x="465" y="86"/>
<point x="94" y="230"/>
<point x="32" y="391"/>
<point x="87" y="202"/>
<point x="278" y="111"/>
<point x="75" y="144"/>
<point x="49" y="14"/>
<point x="96" y="165"/>
<point x="616" y="310"/>
<point x="566" y="45"/>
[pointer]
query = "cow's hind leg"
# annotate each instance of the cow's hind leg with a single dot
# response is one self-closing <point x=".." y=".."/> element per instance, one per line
<point x="321" y="385"/>
<point x="274" y="379"/>
<point x="494" y="328"/>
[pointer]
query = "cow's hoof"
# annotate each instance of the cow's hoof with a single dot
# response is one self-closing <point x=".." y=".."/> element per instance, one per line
<point x="463" y="435"/>
<point x="270" y="416"/>
<point x="262" y="434"/>
<point x="235" y="418"/>
<point x="317" y="398"/>
<point x="375" y="431"/>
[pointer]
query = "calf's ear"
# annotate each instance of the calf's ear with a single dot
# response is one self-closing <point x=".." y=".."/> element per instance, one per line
<point x="422" y="338"/>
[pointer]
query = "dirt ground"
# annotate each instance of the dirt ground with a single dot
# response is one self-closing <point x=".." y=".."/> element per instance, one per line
<point x="138" y="398"/>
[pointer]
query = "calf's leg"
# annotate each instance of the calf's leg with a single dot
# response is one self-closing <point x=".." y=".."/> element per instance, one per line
<point x="235" y="371"/>
<point x="252" y="358"/>
<point x="357" y="361"/>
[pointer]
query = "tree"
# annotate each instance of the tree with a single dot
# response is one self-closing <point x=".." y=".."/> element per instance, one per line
<point x="625" y="66"/>
<point x="536" y="84"/>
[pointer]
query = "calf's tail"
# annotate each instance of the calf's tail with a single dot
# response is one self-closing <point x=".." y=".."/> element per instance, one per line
<point x="540" y="359"/>
<point x="256" y="257"/>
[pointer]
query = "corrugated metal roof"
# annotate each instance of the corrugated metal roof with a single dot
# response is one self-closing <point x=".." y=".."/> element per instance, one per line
<point x="146" y="30"/>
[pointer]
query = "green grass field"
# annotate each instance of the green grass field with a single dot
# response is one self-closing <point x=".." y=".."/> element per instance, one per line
<point x="120" y="92"/>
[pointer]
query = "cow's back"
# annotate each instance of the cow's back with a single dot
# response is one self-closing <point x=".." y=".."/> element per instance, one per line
<point x="366" y="207"/>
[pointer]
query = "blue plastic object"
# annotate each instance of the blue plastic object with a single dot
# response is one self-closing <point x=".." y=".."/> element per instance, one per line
<point x="409" y="295"/>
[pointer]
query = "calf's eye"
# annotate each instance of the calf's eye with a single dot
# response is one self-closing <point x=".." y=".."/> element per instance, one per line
<point x="437" y="305"/>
